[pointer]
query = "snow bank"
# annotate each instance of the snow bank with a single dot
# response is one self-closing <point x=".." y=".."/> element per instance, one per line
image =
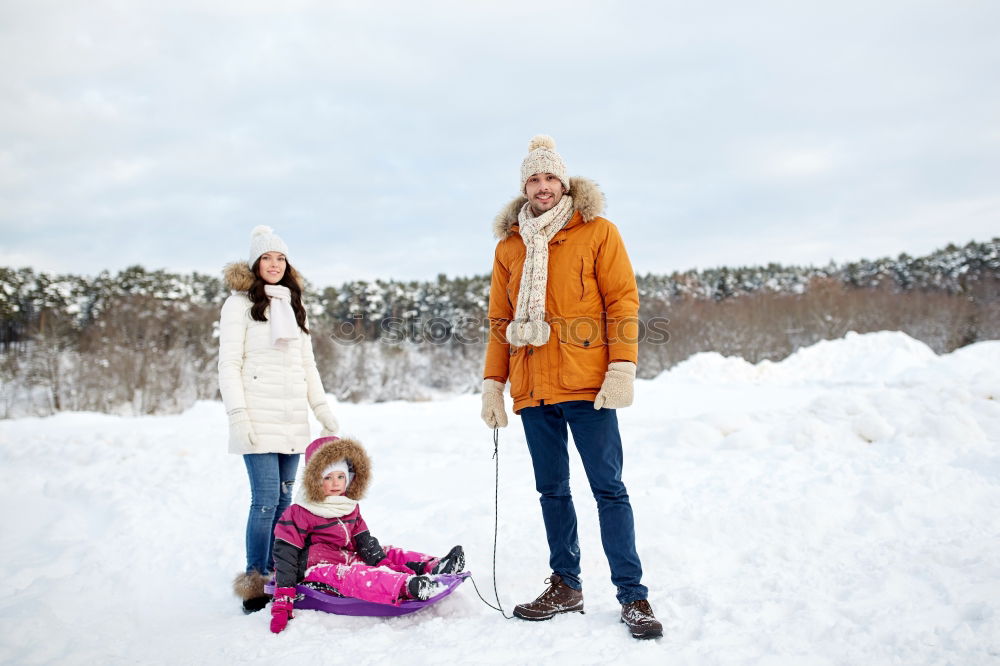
<point x="840" y="507"/>
<point x="869" y="358"/>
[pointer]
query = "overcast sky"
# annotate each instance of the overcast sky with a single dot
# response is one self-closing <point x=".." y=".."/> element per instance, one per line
<point x="380" y="139"/>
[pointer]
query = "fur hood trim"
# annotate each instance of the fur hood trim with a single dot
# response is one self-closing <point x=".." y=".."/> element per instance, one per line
<point x="329" y="453"/>
<point x="239" y="277"/>
<point x="588" y="200"/>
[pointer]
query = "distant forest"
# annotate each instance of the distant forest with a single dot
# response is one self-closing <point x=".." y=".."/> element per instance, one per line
<point x="145" y="342"/>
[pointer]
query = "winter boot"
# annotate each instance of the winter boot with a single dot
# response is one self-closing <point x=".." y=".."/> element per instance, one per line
<point x="559" y="598"/>
<point x="249" y="587"/>
<point x="419" y="568"/>
<point x="420" y="587"/>
<point x="452" y="563"/>
<point x="638" y="615"/>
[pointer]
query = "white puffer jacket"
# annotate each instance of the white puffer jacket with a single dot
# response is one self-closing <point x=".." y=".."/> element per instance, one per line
<point x="275" y="386"/>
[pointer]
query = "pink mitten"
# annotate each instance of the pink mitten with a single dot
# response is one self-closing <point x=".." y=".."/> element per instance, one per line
<point x="281" y="608"/>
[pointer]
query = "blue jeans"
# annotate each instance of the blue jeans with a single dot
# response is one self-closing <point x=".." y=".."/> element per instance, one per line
<point x="272" y="476"/>
<point x="595" y="433"/>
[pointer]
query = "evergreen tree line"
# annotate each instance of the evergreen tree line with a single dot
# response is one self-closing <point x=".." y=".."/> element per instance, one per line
<point x="145" y="342"/>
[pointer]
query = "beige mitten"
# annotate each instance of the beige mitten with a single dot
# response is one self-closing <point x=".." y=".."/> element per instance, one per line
<point x="617" y="390"/>
<point x="494" y="415"/>
<point x="325" y="417"/>
<point x="240" y="431"/>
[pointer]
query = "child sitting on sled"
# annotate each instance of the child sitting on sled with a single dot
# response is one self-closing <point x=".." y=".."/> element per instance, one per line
<point x="322" y="538"/>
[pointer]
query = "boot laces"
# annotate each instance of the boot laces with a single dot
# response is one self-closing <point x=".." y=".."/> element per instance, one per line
<point x="642" y="606"/>
<point x="552" y="588"/>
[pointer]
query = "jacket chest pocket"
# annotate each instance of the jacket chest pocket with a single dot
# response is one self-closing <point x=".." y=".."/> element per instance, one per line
<point x="579" y="291"/>
<point x="587" y="277"/>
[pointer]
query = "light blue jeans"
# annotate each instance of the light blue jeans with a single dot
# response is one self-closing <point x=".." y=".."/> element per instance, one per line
<point x="272" y="476"/>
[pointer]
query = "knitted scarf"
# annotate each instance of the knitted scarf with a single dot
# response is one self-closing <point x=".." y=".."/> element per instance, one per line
<point x="333" y="506"/>
<point x="283" y="324"/>
<point x="529" y="326"/>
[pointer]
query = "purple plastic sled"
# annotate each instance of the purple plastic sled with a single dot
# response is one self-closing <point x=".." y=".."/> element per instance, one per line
<point x="328" y="603"/>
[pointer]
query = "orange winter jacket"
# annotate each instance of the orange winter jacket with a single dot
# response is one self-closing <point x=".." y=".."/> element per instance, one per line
<point x="591" y="304"/>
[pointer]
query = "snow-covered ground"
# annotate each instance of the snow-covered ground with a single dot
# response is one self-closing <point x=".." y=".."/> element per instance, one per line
<point x="839" y="507"/>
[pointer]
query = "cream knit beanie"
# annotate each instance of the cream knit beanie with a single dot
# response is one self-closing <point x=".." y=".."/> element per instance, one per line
<point x="543" y="158"/>
<point x="340" y="466"/>
<point x="263" y="239"/>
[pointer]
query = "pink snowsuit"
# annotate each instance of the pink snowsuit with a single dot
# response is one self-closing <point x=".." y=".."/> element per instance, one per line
<point x="340" y="552"/>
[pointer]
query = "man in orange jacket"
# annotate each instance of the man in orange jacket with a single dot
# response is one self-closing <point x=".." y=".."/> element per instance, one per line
<point x="564" y="331"/>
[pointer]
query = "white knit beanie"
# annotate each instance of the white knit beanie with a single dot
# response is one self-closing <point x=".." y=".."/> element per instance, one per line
<point x="543" y="158"/>
<point x="339" y="466"/>
<point x="263" y="239"/>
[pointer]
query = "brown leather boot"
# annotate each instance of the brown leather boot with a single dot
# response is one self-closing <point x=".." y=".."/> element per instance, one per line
<point x="638" y="615"/>
<point x="559" y="598"/>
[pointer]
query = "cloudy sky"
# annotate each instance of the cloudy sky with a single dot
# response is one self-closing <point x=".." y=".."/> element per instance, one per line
<point x="380" y="139"/>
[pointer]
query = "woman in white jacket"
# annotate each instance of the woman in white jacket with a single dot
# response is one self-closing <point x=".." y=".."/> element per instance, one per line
<point x="268" y="380"/>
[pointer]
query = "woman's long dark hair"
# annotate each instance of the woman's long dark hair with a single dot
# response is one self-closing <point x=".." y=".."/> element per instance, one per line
<point x="261" y="301"/>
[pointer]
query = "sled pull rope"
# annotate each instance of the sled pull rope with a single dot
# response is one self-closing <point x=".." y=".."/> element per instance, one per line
<point x="496" y="527"/>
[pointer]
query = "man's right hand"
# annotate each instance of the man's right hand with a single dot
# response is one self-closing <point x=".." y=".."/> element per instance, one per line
<point x="494" y="415"/>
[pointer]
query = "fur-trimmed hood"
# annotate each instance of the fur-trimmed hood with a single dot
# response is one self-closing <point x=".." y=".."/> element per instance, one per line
<point x="329" y="452"/>
<point x="588" y="200"/>
<point x="239" y="277"/>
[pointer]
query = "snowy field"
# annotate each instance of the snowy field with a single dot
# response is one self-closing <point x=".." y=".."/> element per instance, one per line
<point x="839" y="507"/>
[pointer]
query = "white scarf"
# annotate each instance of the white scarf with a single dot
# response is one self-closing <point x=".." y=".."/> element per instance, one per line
<point x="529" y="326"/>
<point x="283" y="324"/>
<point x="334" y="506"/>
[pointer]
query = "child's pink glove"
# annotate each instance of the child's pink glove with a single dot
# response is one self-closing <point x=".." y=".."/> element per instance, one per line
<point x="281" y="608"/>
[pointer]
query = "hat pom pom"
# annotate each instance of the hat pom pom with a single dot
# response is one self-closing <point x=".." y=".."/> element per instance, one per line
<point x="261" y="230"/>
<point x="542" y="141"/>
